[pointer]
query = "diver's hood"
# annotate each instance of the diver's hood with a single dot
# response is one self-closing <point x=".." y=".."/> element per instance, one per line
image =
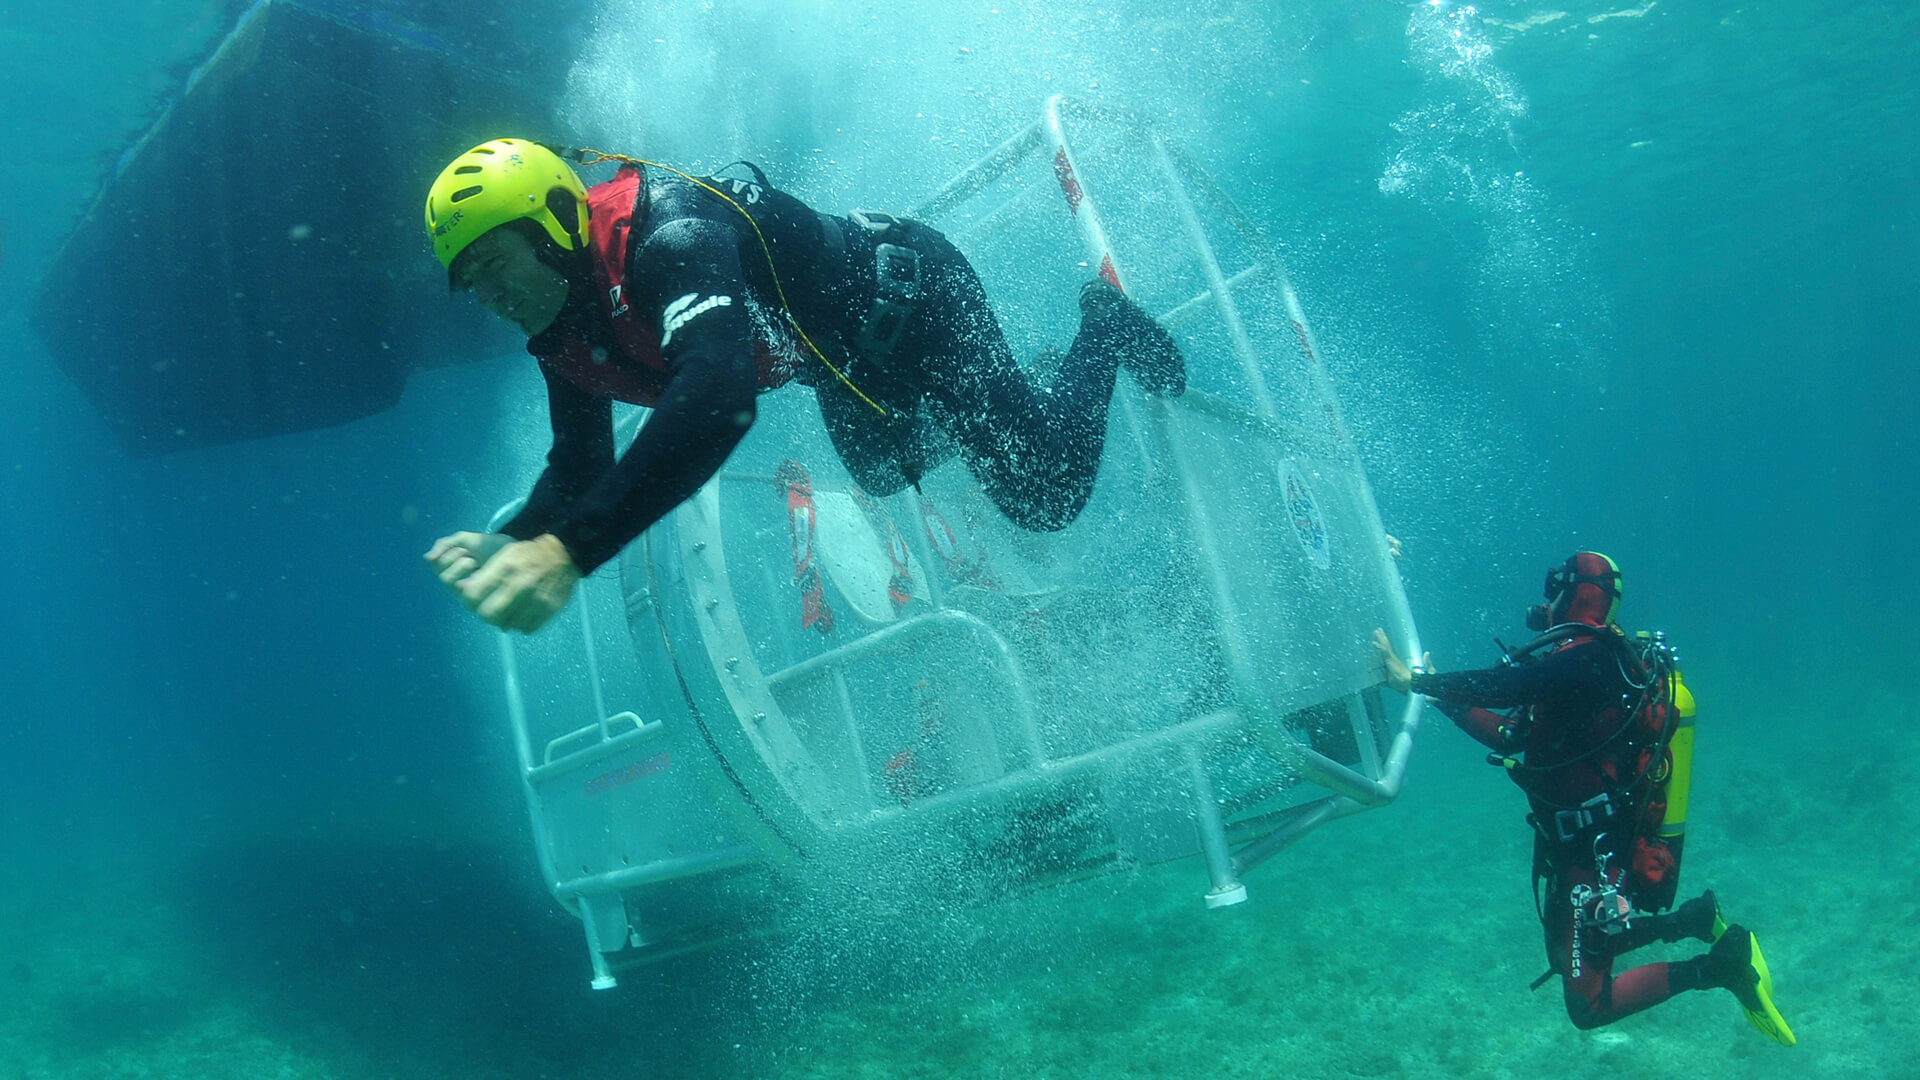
<point x="1586" y="588"/>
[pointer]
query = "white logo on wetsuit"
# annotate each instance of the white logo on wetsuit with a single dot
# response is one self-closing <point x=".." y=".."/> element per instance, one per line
<point x="679" y="313"/>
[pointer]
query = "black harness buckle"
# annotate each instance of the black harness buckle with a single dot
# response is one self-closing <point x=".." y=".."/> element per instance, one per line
<point x="896" y="275"/>
<point x="1573" y="824"/>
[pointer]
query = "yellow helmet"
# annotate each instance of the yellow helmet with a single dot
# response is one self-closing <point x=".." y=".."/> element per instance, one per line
<point x="500" y="181"/>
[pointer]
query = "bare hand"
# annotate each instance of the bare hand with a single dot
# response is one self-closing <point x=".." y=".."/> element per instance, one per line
<point x="1399" y="675"/>
<point x="456" y="557"/>
<point x="524" y="583"/>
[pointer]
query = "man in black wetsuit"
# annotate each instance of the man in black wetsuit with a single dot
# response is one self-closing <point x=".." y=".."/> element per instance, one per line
<point x="692" y="296"/>
<point x="1587" y="736"/>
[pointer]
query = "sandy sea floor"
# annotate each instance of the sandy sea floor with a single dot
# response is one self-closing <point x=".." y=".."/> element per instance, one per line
<point x="1398" y="943"/>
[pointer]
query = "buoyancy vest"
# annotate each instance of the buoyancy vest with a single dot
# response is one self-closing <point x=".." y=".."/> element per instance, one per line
<point x="641" y="378"/>
<point x="1621" y="751"/>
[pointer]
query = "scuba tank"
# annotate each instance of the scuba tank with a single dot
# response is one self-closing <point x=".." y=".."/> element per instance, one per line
<point x="1677" y="773"/>
<point x="1671" y="773"/>
<point x="1673" y="827"/>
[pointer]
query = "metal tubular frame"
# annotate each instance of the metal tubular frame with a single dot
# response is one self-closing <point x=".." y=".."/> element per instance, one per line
<point x="701" y="552"/>
<point x="1358" y="791"/>
<point x="894" y="639"/>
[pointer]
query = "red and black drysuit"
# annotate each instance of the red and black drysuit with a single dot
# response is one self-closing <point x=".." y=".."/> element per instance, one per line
<point x="680" y="313"/>
<point x="1583" y="732"/>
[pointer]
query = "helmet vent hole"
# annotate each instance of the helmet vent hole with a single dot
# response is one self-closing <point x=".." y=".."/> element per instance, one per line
<point x="465" y="193"/>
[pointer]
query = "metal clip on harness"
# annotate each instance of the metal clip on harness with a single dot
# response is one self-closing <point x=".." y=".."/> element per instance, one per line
<point x="896" y="274"/>
<point x="1606" y="907"/>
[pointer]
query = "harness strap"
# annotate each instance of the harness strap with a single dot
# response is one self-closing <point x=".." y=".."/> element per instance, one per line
<point x="896" y="279"/>
<point x="1572" y="825"/>
<point x="833" y="241"/>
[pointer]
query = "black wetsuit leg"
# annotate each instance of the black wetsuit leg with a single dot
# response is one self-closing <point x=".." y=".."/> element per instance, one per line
<point x="1036" y="450"/>
<point x="878" y="451"/>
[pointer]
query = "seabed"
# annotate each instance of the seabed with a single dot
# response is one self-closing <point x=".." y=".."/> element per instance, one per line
<point x="428" y="959"/>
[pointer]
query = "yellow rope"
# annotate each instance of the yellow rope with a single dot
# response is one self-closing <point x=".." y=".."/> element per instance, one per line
<point x="785" y="308"/>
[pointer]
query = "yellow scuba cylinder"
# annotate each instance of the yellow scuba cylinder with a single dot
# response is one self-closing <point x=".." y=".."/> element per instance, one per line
<point x="1673" y="827"/>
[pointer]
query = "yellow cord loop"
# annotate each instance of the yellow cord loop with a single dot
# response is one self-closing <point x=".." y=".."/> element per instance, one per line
<point x="579" y="154"/>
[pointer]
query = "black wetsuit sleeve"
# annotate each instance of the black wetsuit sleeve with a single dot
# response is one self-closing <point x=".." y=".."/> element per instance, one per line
<point x="582" y="452"/>
<point x="1580" y="671"/>
<point x="688" y="270"/>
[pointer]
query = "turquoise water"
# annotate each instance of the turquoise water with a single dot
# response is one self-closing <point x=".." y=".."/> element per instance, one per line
<point x="1640" y="278"/>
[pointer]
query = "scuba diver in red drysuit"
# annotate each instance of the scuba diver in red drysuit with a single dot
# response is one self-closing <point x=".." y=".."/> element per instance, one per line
<point x="1589" y="720"/>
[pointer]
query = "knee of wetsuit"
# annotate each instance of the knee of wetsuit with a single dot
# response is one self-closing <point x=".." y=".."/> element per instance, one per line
<point x="1585" y="1014"/>
<point x="1045" y="514"/>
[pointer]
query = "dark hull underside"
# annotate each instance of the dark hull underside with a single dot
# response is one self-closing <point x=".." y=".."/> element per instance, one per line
<point x="253" y="264"/>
